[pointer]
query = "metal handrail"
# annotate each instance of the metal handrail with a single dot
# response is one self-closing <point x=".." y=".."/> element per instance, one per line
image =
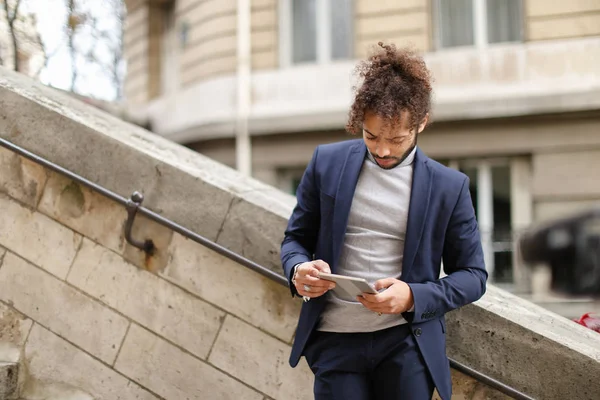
<point x="501" y="387"/>
<point x="146" y="212"/>
<point x="489" y="381"/>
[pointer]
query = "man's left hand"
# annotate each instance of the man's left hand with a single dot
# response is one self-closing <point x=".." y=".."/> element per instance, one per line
<point x="395" y="299"/>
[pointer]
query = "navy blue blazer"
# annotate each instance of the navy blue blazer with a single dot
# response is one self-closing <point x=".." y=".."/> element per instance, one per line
<point x="441" y="227"/>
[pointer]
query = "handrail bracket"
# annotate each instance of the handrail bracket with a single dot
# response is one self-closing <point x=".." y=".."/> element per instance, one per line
<point x="132" y="206"/>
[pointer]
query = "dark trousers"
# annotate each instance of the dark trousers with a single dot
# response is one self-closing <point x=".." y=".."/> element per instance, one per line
<point x="380" y="365"/>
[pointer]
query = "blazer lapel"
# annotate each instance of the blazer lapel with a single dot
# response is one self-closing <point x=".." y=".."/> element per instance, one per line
<point x="343" y="198"/>
<point x="417" y="214"/>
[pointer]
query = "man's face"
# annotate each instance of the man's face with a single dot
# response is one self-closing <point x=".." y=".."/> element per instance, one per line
<point x="388" y="143"/>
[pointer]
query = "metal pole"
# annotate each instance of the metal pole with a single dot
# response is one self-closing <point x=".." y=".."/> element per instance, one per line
<point x="243" y="146"/>
<point x="485" y="213"/>
<point x="521" y="217"/>
<point x="480" y="24"/>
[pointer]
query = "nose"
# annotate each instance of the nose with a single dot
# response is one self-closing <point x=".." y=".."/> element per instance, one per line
<point x="382" y="151"/>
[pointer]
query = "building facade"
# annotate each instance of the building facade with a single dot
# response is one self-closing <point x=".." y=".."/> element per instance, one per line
<point x="516" y="107"/>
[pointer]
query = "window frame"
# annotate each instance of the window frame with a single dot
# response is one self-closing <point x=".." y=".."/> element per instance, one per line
<point x="521" y="201"/>
<point x="480" y="26"/>
<point x="323" y="33"/>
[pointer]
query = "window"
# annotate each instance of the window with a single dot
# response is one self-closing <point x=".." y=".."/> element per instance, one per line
<point x="491" y="194"/>
<point x="316" y="30"/>
<point x="477" y="22"/>
<point x="501" y="195"/>
<point x="341" y="29"/>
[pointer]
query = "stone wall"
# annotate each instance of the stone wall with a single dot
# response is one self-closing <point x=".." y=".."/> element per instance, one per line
<point x="82" y="307"/>
<point x="406" y="23"/>
<point x="88" y="315"/>
<point x="83" y="310"/>
<point x="548" y="20"/>
<point x="136" y="44"/>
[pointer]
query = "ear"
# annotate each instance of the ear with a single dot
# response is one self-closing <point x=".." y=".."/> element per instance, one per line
<point x="423" y="123"/>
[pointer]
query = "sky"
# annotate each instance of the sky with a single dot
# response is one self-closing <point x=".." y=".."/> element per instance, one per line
<point x="51" y="17"/>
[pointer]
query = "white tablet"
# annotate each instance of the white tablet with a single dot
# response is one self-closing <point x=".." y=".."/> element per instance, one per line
<point x="353" y="286"/>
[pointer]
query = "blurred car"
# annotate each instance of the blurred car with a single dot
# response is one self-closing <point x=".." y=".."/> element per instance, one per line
<point x="571" y="247"/>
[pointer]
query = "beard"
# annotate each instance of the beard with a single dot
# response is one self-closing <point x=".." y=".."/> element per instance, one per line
<point x="397" y="160"/>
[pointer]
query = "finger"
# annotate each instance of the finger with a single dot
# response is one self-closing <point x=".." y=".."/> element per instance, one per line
<point x="308" y="272"/>
<point x="311" y="281"/>
<point x="312" y="287"/>
<point x="378" y="308"/>
<point x="364" y="302"/>
<point x="307" y="269"/>
<point x="313" y="292"/>
<point x="374" y="298"/>
<point x="384" y="283"/>
<point x="321" y="266"/>
<point x="313" y="272"/>
<point x="371" y="306"/>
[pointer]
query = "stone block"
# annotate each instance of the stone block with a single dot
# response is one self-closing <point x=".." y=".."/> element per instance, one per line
<point x="144" y="228"/>
<point x="55" y="391"/>
<point x="263" y="17"/>
<point x="233" y="287"/>
<point x="78" y="318"/>
<point x="385" y="7"/>
<point x="520" y="344"/>
<point x="85" y="211"/>
<point x="20" y="178"/>
<point x="14" y="328"/>
<point x="261" y="240"/>
<point x="466" y="388"/>
<point x="147" y="299"/>
<point x="386" y="24"/>
<point x="263" y="4"/>
<point x="9" y="377"/>
<point x="574" y="170"/>
<point x="50" y="358"/>
<point x="484" y="392"/>
<point x="260" y="361"/>
<point x="173" y="374"/>
<point x="37" y="238"/>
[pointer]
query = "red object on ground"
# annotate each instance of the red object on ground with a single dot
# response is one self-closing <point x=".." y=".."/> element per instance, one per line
<point x="590" y="320"/>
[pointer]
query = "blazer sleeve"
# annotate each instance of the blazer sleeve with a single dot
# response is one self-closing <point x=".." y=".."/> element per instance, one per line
<point x="463" y="263"/>
<point x="302" y="230"/>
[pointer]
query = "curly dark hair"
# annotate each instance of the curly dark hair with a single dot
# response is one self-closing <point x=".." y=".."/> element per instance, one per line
<point x="393" y="81"/>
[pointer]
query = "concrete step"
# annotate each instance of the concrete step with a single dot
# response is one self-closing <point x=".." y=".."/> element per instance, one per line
<point x="35" y="390"/>
<point x="9" y="376"/>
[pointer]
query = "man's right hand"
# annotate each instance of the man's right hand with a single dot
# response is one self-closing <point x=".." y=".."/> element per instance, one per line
<point x="308" y="282"/>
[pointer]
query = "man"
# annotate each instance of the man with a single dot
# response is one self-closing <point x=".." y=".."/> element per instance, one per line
<point x="378" y="208"/>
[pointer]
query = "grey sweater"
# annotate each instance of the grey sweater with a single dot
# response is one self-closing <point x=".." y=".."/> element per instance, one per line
<point x="373" y="245"/>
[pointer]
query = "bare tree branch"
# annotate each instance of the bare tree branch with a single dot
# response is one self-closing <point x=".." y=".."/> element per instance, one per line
<point x="117" y="61"/>
<point x="48" y="55"/>
<point x="93" y="38"/>
<point x="72" y="24"/>
<point x="13" y="33"/>
<point x="5" y="16"/>
<point x="111" y="40"/>
<point x="40" y="42"/>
